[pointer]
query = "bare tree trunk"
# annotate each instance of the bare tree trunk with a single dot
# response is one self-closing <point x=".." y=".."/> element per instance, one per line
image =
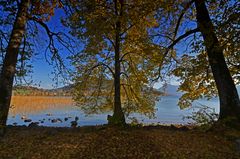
<point x="229" y="99"/>
<point x="10" y="61"/>
<point x="118" y="115"/>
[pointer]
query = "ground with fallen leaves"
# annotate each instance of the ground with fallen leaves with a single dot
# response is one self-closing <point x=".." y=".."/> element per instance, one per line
<point x="109" y="142"/>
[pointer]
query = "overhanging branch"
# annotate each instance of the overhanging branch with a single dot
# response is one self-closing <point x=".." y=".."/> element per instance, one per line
<point x="187" y="6"/>
<point x="172" y="45"/>
<point x="182" y="37"/>
<point x="104" y="65"/>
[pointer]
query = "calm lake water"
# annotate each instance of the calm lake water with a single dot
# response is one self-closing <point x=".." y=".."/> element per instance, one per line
<point x="61" y="115"/>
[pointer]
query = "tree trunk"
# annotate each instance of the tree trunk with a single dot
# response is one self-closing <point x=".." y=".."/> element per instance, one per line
<point x="118" y="115"/>
<point x="229" y="99"/>
<point x="10" y="61"/>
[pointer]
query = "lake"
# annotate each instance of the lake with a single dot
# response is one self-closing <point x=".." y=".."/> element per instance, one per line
<point x="61" y="111"/>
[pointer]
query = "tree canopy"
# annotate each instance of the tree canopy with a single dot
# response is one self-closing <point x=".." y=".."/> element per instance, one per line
<point x="98" y="24"/>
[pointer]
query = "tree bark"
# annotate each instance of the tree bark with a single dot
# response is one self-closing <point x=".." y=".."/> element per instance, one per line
<point x="10" y="61"/>
<point x="118" y="115"/>
<point x="229" y="99"/>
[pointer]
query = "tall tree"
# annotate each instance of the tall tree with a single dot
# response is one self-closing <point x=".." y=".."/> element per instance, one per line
<point x="39" y="12"/>
<point x="118" y="51"/>
<point x="198" y="79"/>
<point x="229" y="99"/>
<point x="10" y="61"/>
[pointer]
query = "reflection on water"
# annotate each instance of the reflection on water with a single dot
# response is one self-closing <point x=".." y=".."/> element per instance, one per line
<point x="62" y="112"/>
<point x="38" y="104"/>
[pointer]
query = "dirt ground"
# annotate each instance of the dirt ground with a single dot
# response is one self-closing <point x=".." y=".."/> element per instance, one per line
<point x="111" y="142"/>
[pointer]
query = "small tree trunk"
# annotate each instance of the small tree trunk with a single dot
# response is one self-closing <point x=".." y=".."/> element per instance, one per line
<point x="118" y="115"/>
<point x="10" y="61"/>
<point x="229" y="99"/>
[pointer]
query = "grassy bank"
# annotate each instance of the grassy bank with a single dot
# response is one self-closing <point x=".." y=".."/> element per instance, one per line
<point x="108" y="142"/>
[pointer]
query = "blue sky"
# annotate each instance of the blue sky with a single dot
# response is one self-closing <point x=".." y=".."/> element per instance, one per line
<point x="42" y="72"/>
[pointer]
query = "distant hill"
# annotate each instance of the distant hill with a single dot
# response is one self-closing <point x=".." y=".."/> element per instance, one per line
<point x="67" y="88"/>
<point x="62" y="91"/>
<point x="170" y="90"/>
<point x="34" y="91"/>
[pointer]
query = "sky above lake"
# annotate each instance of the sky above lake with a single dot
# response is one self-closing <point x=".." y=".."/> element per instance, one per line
<point x="42" y="75"/>
<point x="43" y="72"/>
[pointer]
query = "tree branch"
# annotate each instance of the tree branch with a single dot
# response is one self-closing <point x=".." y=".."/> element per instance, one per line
<point x="182" y="37"/>
<point x="172" y="45"/>
<point x="105" y="65"/>
<point x="187" y="6"/>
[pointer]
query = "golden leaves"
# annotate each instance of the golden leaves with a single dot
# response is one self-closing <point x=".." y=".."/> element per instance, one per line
<point x="45" y="9"/>
<point x="138" y="54"/>
<point x="197" y="81"/>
